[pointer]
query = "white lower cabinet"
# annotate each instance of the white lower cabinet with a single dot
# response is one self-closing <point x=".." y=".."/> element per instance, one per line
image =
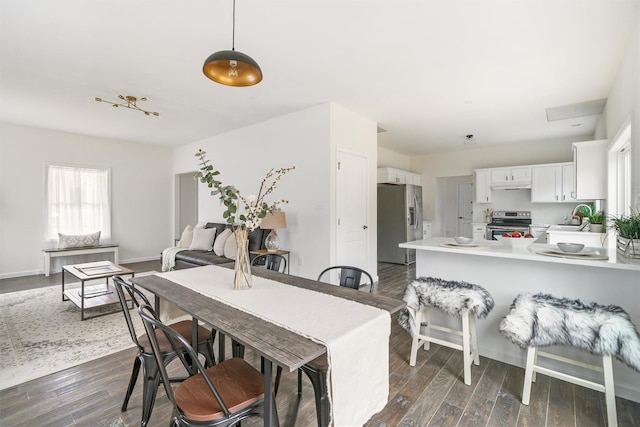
<point x="479" y="231"/>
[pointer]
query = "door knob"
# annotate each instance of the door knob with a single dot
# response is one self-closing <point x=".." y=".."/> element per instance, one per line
<point x="364" y="227"/>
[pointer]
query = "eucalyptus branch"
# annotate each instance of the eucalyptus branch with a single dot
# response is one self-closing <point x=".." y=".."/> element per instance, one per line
<point x="255" y="207"/>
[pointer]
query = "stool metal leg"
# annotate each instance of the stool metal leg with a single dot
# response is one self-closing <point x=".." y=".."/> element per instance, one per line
<point x="528" y="374"/>
<point x="609" y="391"/>
<point x="466" y="348"/>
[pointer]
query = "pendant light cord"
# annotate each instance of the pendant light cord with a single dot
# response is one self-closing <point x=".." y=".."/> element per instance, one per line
<point x="233" y="37"/>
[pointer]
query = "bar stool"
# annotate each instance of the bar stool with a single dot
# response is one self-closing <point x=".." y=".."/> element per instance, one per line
<point x="459" y="299"/>
<point x="543" y="320"/>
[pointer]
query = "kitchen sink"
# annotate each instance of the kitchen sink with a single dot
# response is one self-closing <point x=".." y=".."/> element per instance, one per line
<point x="567" y="227"/>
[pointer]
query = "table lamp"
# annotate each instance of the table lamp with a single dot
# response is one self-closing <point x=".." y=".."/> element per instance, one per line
<point x="273" y="221"/>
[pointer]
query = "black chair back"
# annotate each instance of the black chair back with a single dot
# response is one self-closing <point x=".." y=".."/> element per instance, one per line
<point x="350" y="277"/>
<point x="274" y="262"/>
<point x="125" y="289"/>
<point x="183" y="349"/>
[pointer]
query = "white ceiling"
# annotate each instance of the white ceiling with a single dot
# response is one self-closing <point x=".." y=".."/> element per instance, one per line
<point x="429" y="72"/>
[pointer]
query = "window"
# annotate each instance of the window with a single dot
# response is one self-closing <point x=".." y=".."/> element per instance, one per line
<point x="78" y="201"/>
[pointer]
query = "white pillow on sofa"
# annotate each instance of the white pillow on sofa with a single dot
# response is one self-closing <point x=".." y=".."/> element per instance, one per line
<point x="186" y="238"/>
<point x="231" y="248"/>
<point x="218" y="245"/>
<point x="202" y="239"/>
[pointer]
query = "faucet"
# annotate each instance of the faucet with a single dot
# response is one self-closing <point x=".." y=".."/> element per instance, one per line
<point x="573" y="213"/>
<point x="583" y="224"/>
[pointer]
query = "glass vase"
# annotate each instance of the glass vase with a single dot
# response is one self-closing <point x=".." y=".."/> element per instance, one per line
<point x="242" y="277"/>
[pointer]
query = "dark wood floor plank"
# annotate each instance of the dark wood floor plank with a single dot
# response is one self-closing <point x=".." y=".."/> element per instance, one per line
<point x="399" y="404"/>
<point x="431" y="399"/>
<point x="507" y="407"/>
<point x="561" y="403"/>
<point x="535" y="414"/>
<point x="590" y="410"/>
<point x="481" y="404"/>
<point x="431" y="392"/>
<point x="447" y="416"/>
<point x="460" y="393"/>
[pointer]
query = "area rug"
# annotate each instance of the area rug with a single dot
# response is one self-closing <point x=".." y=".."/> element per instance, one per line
<point x="40" y="334"/>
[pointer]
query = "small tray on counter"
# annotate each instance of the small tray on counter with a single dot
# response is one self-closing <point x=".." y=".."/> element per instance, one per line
<point x="584" y="254"/>
<point x="455" y="245"/>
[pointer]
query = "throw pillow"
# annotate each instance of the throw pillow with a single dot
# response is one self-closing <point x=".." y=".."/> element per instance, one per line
<point x="218" y="245"/>
<point x="202" y="239"/>
<point x="78" y="240"/>
<point x="186" y="238"/>
<point x="231" y="248"/>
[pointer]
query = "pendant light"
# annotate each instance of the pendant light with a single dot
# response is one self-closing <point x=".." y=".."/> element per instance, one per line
<point x="232" y="68"/>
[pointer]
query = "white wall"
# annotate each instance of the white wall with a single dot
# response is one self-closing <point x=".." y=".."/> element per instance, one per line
<point x="309" y="139"/>
<point x="624" y="103"/>
<point x="391" y="159"/>
<point x="140" y="187"/>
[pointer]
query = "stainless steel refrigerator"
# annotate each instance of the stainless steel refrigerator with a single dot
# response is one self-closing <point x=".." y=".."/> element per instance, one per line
<point x="399" y="220"/>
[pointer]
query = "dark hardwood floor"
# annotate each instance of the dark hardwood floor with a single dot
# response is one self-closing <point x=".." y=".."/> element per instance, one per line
<point x="430" y="394"/>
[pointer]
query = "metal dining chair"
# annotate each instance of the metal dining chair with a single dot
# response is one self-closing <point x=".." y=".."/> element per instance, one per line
<point x="274" y="262"/>
<point x="349" y="276"/>
<point x="221" y="395"/>
<point x="145" y="356"/>
<point x="317" y="369"/>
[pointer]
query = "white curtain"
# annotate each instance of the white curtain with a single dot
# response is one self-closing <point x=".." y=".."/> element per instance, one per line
<point x="78" y="201"/>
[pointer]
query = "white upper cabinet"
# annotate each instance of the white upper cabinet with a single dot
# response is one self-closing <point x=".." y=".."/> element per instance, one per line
<point x="590" y="162"/>
<point x="568" y="190"/>
<point x="552" y="183"/>
<point x="546" y="183"/>
<point x="483" y="185"/>
<point x="512" y="177"/>
<point x="397" y="176"/>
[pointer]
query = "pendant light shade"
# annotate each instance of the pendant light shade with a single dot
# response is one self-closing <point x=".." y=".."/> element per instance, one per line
<point x="230" y="67"/>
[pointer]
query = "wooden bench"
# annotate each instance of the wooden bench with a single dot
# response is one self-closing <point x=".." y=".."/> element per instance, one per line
<point x="57" y="253"/>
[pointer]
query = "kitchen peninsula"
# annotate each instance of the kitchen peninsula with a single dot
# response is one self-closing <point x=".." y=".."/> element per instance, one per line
<point x="506" y="272"/>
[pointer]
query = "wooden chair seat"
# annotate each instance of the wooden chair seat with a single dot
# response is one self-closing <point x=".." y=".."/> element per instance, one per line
<point x="237" y="382"/>
<point x="183" y="328"/>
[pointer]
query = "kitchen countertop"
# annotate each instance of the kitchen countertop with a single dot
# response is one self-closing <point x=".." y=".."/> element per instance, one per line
<point x="494" y="249"/>
<point x="505" y="272"/>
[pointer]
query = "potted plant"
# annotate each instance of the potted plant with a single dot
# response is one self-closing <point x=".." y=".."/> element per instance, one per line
<point x="596" y="221"/>
<point x="628" y="228"/>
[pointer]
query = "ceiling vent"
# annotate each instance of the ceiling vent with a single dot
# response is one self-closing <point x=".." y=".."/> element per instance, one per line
<point x="571" y="111"/>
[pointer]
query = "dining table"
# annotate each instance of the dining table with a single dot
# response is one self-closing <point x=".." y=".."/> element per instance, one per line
<point x="289" y="321"/>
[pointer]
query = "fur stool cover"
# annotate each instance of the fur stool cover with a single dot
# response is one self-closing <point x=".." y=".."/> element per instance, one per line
<point x="449" y="296"/>
<point x="543" y="320"/>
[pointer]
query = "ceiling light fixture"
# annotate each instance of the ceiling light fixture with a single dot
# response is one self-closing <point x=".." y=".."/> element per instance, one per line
<point x="129" y="102"/>
<point x="232" y="68"/>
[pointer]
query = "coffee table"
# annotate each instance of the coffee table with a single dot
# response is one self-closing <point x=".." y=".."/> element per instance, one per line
<point x="94" y="295"/>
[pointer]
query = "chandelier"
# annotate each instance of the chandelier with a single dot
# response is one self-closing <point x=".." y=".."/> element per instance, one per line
<point x="129" y="102"/>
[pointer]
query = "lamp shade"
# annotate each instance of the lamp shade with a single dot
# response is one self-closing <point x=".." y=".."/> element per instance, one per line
<point x="218" y="67"/>
<point x="273" y="221"/>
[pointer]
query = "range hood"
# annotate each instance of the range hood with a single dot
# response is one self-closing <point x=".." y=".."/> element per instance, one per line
<point x="512" y="185"/>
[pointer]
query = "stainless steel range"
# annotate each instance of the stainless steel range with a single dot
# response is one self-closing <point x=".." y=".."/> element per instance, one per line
<point x="508" y="222"/>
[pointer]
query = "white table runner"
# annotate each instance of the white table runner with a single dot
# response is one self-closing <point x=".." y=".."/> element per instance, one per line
<point x="356" y="335"/>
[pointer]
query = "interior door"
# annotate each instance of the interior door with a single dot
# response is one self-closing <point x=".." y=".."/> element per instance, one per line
<point x="352" y="209"/>
<point x="465" y="209"/>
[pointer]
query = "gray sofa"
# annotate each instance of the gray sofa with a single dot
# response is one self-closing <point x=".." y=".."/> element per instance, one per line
<point x="197" y="258"/>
